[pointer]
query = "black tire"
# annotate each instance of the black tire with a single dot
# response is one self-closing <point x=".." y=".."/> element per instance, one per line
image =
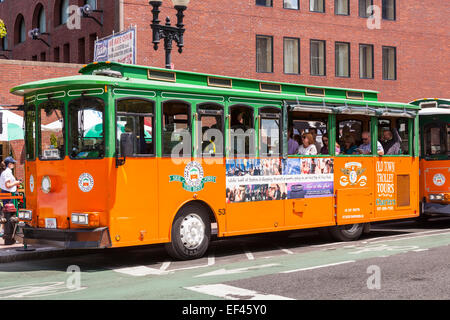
<point x="196" y="242"/>
<point x="350" y="232"/>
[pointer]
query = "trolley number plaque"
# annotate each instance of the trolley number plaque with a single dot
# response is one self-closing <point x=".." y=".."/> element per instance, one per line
<point x="50" y="223"/>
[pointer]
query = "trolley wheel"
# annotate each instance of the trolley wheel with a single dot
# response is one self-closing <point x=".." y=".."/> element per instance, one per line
<point x="191" y="233"/>
<point x="348" y="232"/>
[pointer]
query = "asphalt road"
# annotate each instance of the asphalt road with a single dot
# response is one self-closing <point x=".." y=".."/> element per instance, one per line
<point x="397" y="260"/>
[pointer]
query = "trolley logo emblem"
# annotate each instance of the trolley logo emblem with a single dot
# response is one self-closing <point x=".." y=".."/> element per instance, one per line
<point x="439" y="179"/>
<point x="85" y="182"/>
<point x="193" y="179"/>
<point x="353" y="175"/>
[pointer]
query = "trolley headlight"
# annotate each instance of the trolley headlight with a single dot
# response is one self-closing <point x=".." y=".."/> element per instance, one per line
<point x="438" y="197"/>
<point x="46" y="184"/>
<point x="80" y="218"/>
<point x="25" y="214"/>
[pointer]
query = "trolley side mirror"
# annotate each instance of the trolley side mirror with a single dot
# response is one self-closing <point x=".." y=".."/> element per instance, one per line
<point x="125" y="147"/>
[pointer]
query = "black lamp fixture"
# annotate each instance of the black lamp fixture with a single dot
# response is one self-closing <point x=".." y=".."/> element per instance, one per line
<point x="168" y="32"/>
<point x="35" y="34"/>
<point x="86" y="12"/>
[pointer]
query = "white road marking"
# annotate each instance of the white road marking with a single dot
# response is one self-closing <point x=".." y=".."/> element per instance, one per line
<point x="318" y="267"/>
<point x="140" y="271"/>
<point x="286" y="250"/>
<point x="222" y="272"/>
<point x="249" y="255"/>
<point x="407" y="235"/>
<point x="234" y="293"/>
<point x="211" y="260"/>
<point x="164" y="266"/>
<point x="414" y="237"/>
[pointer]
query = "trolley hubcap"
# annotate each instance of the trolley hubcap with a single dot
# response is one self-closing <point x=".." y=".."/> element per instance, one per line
<point x="351" y="228"/>
<point x="192" y="231"/>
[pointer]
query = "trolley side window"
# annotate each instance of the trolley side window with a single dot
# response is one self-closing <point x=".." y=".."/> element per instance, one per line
<point x="210" y="130"/>
<point x="307" y="133"/>
<point x="242" y="131"/>
<point x="176" y="129"/>
<point x="436" y="138"/>
<point x="135" y="122"/>
<point x="51" y="133"/>
<point x="270" y="132"/>
<point x="350" y="135"/>
<point x="394" y="136"/>
<point x="86" y="128"/>
<point x="30" y="132"/>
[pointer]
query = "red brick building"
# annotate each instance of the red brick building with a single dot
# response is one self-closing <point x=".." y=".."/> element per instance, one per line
<point x="223" y="39"/>
<point x="403" y="50"/>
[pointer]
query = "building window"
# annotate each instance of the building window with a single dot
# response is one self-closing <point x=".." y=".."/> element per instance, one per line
<point x="42" y="21"/>
<point x="66" y="53"/>
<point x="364" y="8"/>
<point x="317" y="5"/>
<point x="318" y="58"/>
<point x="43" y="56"/>
<point x="291" y="4"/>
<point x="264" y="3"/>
<point x="342" y="56"/>
<point x="291" y="55"/>
<point x="81" y="51"/>
<point x="56" y="54"/>
<point x="63" y="11"/>
<point x="389" y="63"/>
<point x="5" y="43"/>
<point x="389" y="10"/>
<point x="264" y="54"/>
<point x="366" y="61"/>
<point x="20" y="32"/>
<point x="342" y="7"/>
<point x="92" y="3"/>
<point x="92" y="39"/>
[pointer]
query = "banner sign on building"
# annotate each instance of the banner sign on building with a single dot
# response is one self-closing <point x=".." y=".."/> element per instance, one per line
<point x="119" y="47"/>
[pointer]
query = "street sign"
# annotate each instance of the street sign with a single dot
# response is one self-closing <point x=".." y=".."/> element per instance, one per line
<point x="119" y="47"/>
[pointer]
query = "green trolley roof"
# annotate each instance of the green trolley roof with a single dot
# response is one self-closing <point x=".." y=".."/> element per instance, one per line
<point x="150" y="78"/>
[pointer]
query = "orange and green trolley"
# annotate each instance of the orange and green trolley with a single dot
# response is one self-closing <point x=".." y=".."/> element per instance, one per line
<point x="435" y="156"/>
<point x="124" y="155"/>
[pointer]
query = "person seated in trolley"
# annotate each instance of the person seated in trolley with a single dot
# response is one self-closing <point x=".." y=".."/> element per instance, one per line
<point x="391" y="142"/>
<point x="318" y="145"/>
<point x="324" y="149"/>
<point x="307" y="147"/>
<point x="292" y="143"/>
<point x="366" y="146"/>
<point x="349" y="145"/>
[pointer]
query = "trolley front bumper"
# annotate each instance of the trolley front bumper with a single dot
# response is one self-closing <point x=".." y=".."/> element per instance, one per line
<point x="437" y="208"/>
<point x="65" y="238"/>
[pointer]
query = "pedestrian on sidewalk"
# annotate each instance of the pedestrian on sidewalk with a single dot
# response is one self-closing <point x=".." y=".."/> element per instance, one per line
<point x="8" y="184"/>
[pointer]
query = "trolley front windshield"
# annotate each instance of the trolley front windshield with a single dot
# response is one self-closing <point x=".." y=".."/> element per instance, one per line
<point x="86" y="128"/>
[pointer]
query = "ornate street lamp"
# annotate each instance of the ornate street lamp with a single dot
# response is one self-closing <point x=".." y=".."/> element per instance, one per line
<point x="167" y="32"/>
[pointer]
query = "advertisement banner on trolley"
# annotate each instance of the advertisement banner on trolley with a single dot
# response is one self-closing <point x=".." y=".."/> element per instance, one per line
<point x="279" y="179"/>
<point x="119" y="47"/>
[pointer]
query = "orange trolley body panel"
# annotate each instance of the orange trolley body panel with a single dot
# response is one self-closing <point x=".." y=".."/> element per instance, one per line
<point x="435" y="180"/>
<point x="138" y="201"/>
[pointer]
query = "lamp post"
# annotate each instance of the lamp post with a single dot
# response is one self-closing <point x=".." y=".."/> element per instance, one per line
<point x="168" y="32"/>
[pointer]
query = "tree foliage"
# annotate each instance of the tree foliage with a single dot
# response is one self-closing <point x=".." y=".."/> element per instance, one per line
<point x="2" y="29"/>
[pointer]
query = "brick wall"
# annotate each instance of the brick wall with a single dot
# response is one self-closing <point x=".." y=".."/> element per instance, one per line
<point x="221" y="39"/>
<point x="60" y="35"/>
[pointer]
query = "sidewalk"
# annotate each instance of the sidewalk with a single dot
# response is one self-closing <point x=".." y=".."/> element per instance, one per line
<point x="9" y="253"/>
